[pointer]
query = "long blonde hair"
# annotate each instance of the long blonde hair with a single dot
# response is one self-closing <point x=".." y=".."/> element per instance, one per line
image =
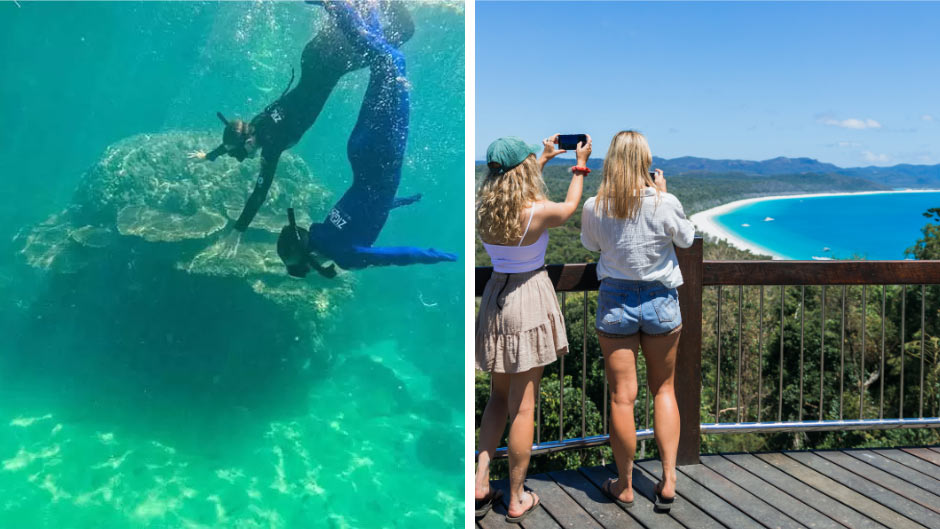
<point x="503" y="196"/>
<point x="626" y="174"/>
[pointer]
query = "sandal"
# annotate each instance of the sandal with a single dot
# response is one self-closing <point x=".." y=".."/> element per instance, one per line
<point x="485" y="504"/>
<point x="536" y="503"/>
<point x="662" y="504"/>
<point x="610" y="494"/>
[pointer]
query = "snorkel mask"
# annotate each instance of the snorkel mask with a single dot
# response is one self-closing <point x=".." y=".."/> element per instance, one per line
<point x="292" y="249"/>
<point x="236" y="138"/>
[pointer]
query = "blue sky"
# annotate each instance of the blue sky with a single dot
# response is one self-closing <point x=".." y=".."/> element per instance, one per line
<point x="852" y="84"/>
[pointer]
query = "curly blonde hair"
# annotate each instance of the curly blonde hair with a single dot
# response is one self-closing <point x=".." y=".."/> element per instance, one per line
<point x="626" y="174"/>
<point x="503" y="196"/>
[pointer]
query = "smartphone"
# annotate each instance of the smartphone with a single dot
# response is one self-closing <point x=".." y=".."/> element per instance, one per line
<point x="570" y="141"/>
<point x="653" y="175"/>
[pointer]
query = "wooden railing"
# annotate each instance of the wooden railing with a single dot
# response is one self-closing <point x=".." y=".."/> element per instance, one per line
<point x="698" y="274"/>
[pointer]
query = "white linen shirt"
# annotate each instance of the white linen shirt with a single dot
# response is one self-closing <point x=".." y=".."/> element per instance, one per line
<point x="639" y="249"/>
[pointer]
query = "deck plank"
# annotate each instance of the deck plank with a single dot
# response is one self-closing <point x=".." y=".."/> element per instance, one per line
<point x="827" y="485"/>
<point x="642" y="508"/>
<point x="900" y="464"/>
<point x="560" y="505"/>
<point x="925" y="454"/>
<point x="913" y="493"/>
<point x="787" y="483"/>
<point x="798" y="510"/>
<point x="755" y="507"/>
<point x="684" y="512"/>
<point x="593" y="501"/>
<point x="539" y="519"/>
<point x="704" y="499"/>
<point x="496" y="518"/>
<point x="863" y="485"/>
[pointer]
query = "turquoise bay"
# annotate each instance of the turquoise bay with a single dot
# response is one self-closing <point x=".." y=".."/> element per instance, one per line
<point x="868" y="226"/>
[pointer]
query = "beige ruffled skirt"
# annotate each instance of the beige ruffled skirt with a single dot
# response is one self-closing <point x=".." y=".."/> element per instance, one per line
<point x="527" y="332"/>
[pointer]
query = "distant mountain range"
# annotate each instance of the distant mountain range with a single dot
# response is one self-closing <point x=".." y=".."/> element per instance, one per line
<point x="902" y="175"/>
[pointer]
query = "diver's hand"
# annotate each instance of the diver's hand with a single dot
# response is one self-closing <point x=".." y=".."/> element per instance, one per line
<point x="229" y="244"/>
<point x="549" y="149"/>
<point x="197" y="155"/>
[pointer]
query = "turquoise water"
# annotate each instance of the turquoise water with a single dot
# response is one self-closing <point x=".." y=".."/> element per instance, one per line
<point x="139" y="388"/>
<point x="875" y="226"/>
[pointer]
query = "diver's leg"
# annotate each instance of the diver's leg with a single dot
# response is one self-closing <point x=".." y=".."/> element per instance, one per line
<point x="399" y="256"/>
<point x="376" y="145"/>
<point x="404" y="201"/>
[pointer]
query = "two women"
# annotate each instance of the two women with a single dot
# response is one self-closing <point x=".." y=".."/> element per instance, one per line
<point x="635" y="225"/>
<point x="520" y="328"/>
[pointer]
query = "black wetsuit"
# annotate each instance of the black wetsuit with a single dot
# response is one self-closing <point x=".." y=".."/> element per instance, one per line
<point x="280" y="126"/>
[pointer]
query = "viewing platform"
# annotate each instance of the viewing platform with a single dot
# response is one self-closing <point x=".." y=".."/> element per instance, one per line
<point x="827" y="390"/>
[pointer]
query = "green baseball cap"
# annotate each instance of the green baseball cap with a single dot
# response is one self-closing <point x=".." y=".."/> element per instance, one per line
<point x="509" y="152"/>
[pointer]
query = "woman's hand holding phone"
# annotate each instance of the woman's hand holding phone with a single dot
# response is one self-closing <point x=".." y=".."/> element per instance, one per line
<point x="660" y="180"/>
<point x="583" y="152"/>
<point x="550" y="150"/>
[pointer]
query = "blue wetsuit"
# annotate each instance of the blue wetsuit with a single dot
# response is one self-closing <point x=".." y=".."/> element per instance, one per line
<point x="375" y="150"/>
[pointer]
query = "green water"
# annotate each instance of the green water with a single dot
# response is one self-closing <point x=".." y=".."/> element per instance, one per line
<point x="141" y="396"/>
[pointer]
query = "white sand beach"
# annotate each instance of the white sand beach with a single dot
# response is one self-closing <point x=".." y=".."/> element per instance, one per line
<point x="705" y="223"/>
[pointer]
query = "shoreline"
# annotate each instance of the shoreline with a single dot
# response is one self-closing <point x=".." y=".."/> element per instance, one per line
<point x="706" y="224"/>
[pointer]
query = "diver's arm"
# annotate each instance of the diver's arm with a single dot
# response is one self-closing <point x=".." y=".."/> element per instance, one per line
<point x="404" y="201"/>
<point x="268" y="165"/>
<point x="215" y="153"/>
<point x="363" y="256"/>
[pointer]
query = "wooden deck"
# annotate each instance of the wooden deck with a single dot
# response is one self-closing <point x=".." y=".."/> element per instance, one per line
<point x="883" y="488"/>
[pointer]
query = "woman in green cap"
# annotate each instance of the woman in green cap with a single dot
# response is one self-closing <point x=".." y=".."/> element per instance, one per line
<point x="520" y="328"/>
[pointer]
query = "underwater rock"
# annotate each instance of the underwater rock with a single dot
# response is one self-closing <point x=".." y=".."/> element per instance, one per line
<point x="145" y="202"/>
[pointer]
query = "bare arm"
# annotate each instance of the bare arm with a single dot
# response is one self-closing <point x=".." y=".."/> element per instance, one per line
<point x="555" y="214"/>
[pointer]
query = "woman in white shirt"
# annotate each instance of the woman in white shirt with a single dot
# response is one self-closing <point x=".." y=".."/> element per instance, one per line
<point x="635" y="224"/>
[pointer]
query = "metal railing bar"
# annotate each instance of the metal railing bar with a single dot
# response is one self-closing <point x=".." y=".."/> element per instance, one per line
<point x="718" y="362"/>
<point x="780" y="392"/>
<point x="842" y="358"/>
<point x="861" y="371"/>
<point x="561" y="384"/>
<point x="822" y="352"/>
<point x="745" y="427"/>
<point x="737" y="398"/>
<point x="901" y="388"/>
<point x="802" y="322"/>
<point x="881" y="374"/>
<point x="584" y="303"/>
<point x="923" y="333"/>
<point x="760" y="354"/>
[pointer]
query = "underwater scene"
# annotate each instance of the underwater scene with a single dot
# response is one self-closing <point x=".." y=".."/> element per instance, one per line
<point x="159" y="368"/>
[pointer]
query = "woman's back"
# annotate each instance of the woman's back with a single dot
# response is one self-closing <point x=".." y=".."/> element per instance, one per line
<point x="639" y="248"/>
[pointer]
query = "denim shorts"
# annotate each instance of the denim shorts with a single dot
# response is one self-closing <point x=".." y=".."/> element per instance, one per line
<point x="626" y="307"/>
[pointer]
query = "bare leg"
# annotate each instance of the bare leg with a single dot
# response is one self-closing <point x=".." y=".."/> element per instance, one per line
<point x="620" y="365"/>
<point x="491" y="429"/>
<point x="523" y="388"/>
<point x="660" y="355"/>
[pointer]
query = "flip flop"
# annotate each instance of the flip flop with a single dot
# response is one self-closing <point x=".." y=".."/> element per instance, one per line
<point x="612" y="496"/>
<point x="537" y="504"/>
<point x="484" y="505"/>
<point x="662" y="504"/>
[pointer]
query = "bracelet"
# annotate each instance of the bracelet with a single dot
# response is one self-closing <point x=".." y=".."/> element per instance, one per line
<point x="581" y="169"/>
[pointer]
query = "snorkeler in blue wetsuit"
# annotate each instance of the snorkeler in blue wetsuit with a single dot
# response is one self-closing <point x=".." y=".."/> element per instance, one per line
<point x="375" y="150"/>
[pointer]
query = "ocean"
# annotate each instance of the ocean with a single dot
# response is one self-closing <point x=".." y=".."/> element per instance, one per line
<point x="147" y="382"/>
<point x="869" y="226"/>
